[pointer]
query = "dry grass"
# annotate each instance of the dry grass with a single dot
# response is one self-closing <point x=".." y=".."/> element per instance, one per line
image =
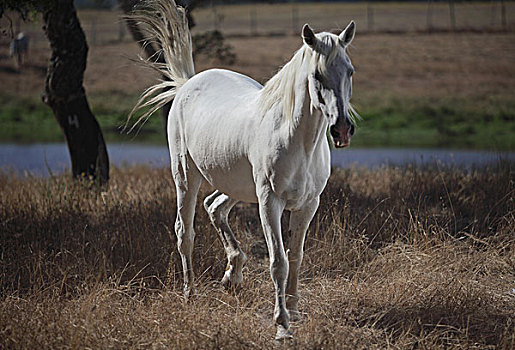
<point x="395" y="258"/>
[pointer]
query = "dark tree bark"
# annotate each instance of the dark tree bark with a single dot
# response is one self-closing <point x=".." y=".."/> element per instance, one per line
<point x="65" y="94"/>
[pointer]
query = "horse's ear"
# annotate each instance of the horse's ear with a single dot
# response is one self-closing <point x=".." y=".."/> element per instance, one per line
<point x="309" y="36"/>
<point x="348" y="34"/>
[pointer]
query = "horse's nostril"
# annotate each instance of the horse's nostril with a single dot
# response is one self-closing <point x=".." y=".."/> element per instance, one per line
<point x="334" y="133"/>
<point x="351" y="129"/>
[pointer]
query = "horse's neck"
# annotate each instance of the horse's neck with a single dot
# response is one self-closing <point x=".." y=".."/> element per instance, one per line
<point x="304" y="128"/>
<point x="309" y="125"/>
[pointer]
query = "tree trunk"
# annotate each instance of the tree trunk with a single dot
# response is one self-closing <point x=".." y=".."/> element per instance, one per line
<point x="65" y="94"/>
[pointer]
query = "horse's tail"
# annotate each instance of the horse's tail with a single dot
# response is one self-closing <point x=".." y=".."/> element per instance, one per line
<point x="166" y="26"/>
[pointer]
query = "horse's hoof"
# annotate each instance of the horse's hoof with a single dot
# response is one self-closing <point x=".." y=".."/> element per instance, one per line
<point x="226" y="282"/>
<point x="230" y="282"/>
<point x="189" y="292"/>
<point x="283" y="334"/>
<point x="295" y="315"/>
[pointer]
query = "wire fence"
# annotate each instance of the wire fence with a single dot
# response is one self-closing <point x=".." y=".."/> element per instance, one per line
<point x="283" y="19"/>
<point x="104" y="27"/>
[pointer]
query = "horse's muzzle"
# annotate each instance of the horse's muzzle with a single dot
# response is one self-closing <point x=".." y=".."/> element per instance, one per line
<point x="341" y="134"/>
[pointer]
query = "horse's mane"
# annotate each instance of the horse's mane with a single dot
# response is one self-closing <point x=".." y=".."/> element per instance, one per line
<point x="281" y="87"/>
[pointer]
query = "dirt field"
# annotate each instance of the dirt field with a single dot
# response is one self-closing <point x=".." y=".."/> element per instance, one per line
<point x="414" y="89"/>
<point x="434" y="65"/>
<point x="412" y="65"/>
<point x="395" y="258"/>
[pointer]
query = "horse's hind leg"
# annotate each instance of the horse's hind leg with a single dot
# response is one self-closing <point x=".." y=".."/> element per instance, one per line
<point x="187" y="180"/>
<point x="218" y="206"/>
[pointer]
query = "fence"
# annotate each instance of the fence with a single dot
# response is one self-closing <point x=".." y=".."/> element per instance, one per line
<point x="281" y="19"/>
<point x="104" y="27"/>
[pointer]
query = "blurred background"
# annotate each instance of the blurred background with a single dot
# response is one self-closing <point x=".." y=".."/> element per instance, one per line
<point x="435" y="80"/>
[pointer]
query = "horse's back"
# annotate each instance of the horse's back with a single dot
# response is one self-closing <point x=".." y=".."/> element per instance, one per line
<point x="216" y="100"/>
<point x="221" y="84"/>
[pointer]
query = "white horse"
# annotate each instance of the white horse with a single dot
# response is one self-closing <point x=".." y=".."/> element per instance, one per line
<point x="257" y="144"/>
<point x="18" y="49"/>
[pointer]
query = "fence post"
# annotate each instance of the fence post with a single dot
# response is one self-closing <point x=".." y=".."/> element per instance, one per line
<point x="492" y="13"/>
<point x="429" y="16"/>
<point x="253" y="20"/>
<point x="94" y="32"/>
<point x="215" y="16"/>
<point x="121" y="31"/>
<point x="452" y="15"/>
<point x="503" y="15"/>
<point x="370" y="17"/>
<point x="294" y="18"/>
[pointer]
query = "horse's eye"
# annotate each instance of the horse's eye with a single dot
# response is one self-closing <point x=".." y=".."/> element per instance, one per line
<point x="320" y="98"/>
<point x="318" y="76"/>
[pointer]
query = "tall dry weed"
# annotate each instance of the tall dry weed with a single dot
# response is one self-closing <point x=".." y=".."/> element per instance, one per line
<point x="395" y="258"/>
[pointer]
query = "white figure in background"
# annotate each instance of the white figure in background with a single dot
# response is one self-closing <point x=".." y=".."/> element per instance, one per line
<point x="257" y="144"/>
<point x="19" y="48"/>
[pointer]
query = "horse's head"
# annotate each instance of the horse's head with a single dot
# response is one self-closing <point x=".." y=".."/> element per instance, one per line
<point x="330" y="84"/>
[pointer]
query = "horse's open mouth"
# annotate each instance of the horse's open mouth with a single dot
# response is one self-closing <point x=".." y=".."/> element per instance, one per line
<point x="341" y="144"/>
<point x="341" y="138"/>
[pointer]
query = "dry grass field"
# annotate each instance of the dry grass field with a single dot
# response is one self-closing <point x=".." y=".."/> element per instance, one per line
<point x="395" y="258"/>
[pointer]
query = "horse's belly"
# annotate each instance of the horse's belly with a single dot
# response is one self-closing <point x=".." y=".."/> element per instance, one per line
<point x="217" y="144"/>
<point x="234" y="179"/>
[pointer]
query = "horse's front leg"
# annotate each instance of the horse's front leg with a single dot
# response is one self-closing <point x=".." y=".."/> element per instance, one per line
<point x="299" y="222"/>
<point x="270" y="211"/>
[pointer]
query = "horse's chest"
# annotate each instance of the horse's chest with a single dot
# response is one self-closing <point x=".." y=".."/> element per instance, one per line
<point x="302" y="185"/>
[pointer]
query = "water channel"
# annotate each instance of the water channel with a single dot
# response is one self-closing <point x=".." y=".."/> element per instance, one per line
<point x="41" y="159"/>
